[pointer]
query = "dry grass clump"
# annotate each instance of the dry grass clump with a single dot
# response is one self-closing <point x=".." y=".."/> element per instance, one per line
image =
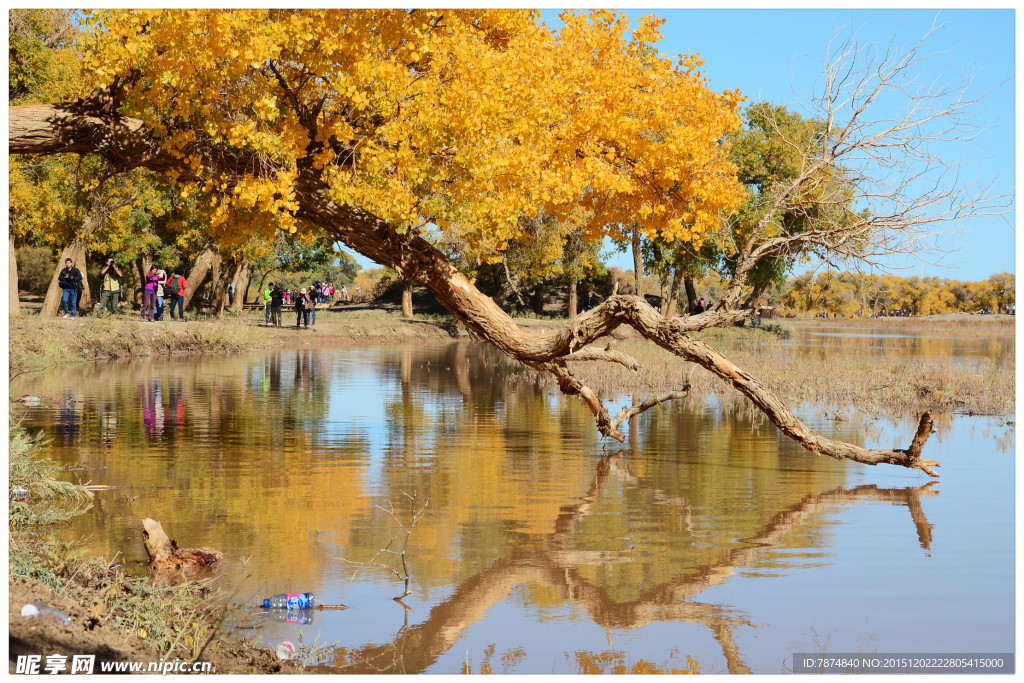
<point x="37" y="343"/>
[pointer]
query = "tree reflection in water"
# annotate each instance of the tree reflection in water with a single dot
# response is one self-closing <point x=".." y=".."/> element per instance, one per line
<point x="548" y="559"/>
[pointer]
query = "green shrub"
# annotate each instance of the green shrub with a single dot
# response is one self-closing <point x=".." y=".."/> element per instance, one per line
<point x="35" y="268"/>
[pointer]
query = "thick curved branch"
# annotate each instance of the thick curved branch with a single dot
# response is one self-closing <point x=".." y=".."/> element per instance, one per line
<point x="423" y="262"/>
<point x="86" y="127"/>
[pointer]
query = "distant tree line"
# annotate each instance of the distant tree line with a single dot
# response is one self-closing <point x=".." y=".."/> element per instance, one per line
<point x="849" y="295"/>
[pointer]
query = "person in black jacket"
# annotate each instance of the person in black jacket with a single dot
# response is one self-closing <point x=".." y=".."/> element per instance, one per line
<point x="276" y="300"/>
<point x="301" y="308"/>
<point x="70" y="280"/>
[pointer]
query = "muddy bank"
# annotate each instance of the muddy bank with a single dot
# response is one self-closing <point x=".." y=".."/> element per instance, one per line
<point x="91" y="633"/>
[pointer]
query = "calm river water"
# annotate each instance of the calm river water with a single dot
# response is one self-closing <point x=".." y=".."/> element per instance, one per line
<point x="709" y="540"/>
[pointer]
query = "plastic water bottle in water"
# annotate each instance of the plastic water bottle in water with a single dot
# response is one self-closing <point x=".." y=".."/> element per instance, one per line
<point x="289" y="601"/>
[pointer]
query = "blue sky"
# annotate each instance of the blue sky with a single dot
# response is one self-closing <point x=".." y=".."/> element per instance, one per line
<point x="769" y="54"/>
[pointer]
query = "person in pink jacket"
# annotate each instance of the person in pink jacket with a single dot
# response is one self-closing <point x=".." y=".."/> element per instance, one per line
<point x="149" y="294"/>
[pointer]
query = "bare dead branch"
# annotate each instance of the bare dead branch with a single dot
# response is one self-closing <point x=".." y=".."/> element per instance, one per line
<point x="594" y="354"/>
<point x="629" y="413"/>
<point x="402" y="575"/>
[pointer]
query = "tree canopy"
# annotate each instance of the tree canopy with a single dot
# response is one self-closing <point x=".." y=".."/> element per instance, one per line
<point x="464" y="119"/>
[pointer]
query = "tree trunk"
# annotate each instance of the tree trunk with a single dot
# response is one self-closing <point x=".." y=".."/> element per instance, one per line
<point x="170" y="561"/>
<point x="407" y="298"/>
<point x="12" y="278"/>
<point x="691" y="295"/>
<point x="76" y="252"/>
<point x="574" y="298"/>
<point x="205" y="261"/>
<point x="673" y="294"/>
<point x="638" y="263"/>
<point x="242" y="275"/>
<point x="663" y="280"/>
<point x="539" y="290"/>
<point x="140" y="266"/>
<point x="145" y="263"/>
<point x="664" y="287"/>
<point x="223" y="277"/>
<point x="215" y="282"/>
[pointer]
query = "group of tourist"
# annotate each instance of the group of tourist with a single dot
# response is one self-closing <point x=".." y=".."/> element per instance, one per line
<point x="158" y="287"/>
<point x="304" y="302"/>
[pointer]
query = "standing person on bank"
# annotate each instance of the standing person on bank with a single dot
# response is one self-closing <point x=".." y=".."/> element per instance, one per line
<point x="110" y="288"/>
<point x="175" y="288"/>
<point x="149" y="295"/>
<point x="160" y="294"/>
<point x="231" y="293"/>
<point x="266" y="303"/>
<point x="301" y="308"/>
<point x="313" y="296"/>
<point x="276" y="300"/>
<point x="70" y="280"/>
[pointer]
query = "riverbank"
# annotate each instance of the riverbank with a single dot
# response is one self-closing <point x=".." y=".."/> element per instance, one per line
<point x="37" y="343"/>
<point x="117" y="617"/>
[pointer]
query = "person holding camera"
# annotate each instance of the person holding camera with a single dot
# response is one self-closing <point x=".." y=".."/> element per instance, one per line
<point x="70" y="280"/>
<point x="302" y="304"/>
<point x="110" y="288"/>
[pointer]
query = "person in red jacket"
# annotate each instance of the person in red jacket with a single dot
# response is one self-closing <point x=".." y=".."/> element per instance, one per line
<point x="175" y="289"/>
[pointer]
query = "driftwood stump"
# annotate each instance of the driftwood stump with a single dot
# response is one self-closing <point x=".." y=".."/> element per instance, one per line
<point x="166" y="557"/>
